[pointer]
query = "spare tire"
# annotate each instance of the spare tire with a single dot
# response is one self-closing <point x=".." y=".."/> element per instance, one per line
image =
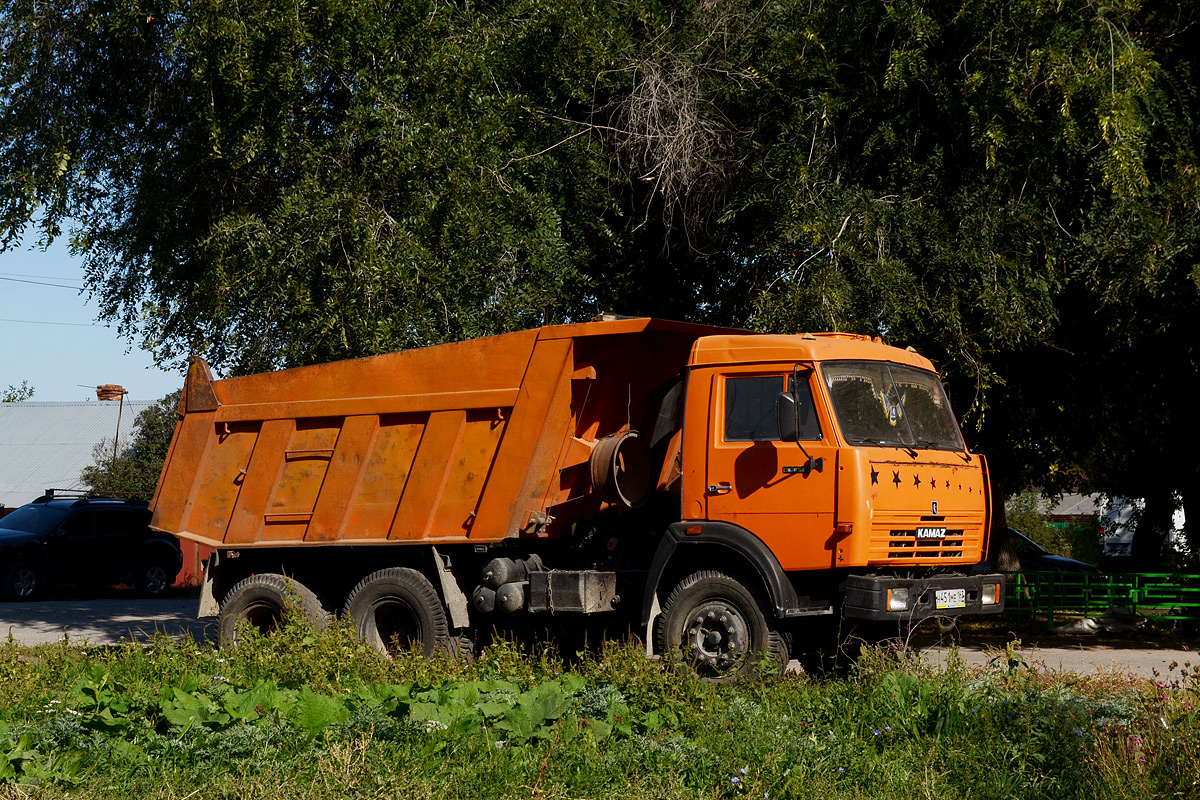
<point x="620" y="469"/>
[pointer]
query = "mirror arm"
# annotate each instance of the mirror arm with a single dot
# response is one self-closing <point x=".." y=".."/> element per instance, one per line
<point x="811" y="464"/>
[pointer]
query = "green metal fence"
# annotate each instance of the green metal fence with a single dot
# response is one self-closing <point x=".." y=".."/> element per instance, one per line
<point x="1165" y="596"/>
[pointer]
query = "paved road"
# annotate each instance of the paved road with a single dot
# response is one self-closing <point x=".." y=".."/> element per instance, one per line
<point x="1081" y="657"/>
<point x="105" y="620"/>
<point x="118" y="617"/>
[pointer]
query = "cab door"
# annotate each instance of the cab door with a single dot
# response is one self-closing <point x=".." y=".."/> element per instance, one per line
<point x="756" y="481"/>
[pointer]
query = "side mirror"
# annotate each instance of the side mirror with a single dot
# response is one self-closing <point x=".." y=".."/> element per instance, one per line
<point x="787" y="409"/>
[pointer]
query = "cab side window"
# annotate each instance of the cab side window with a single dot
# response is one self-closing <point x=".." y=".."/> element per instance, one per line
<point x="750" y="414"/>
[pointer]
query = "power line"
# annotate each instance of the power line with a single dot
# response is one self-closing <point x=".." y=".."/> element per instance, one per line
<point x="44" y="322"/>
<point x="42" y="283"/>
<point x="47" y="277"/>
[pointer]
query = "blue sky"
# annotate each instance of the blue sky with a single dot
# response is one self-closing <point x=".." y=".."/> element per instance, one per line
<point x="49" y="335"/>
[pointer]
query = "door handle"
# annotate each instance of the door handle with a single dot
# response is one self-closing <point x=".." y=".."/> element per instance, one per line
<point x="719" y="488"/>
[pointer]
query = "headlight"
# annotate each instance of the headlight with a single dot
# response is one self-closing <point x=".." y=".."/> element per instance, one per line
<point x="897" y="599"/>
<point x="991" y="594"/>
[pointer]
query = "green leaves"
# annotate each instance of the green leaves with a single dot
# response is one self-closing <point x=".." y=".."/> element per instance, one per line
<point x="187" y="709"/>
<point x="134" y="471"/>
<point x="313" y="713"/>
<point x="458" y="706"/>
<point x="992" y="181"/>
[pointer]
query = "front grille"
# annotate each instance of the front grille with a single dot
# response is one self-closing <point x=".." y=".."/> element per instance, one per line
<point x="904" y="544"/>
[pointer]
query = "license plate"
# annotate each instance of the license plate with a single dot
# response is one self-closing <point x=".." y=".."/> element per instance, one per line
<point x="931" y="533"/>
<point x="951" y="598"/>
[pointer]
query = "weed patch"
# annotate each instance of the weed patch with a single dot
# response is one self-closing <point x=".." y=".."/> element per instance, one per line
<point x="313" y="713"/>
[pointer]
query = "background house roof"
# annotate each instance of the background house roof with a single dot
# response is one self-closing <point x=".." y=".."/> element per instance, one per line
<point x="45" y="445"/>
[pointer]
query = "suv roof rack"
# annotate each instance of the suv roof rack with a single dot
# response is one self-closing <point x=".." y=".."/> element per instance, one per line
<point x="81" y="494"/>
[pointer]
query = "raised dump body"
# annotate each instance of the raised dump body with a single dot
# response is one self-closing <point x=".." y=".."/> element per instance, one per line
<point x="664" y="469"/>
<point x="461" y="442"/>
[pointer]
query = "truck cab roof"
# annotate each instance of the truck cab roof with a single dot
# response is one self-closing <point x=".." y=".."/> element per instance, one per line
<point x="751" y="347"/>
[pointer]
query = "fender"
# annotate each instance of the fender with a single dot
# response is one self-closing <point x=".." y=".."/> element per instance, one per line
<point x="160" y="545"/>
<point x="743" y="542"/>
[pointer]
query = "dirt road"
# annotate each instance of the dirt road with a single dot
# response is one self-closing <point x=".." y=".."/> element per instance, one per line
<point x="119" y="617"/>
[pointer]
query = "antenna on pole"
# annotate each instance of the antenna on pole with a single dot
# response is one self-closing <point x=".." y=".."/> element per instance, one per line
<point x="111" y="391"/>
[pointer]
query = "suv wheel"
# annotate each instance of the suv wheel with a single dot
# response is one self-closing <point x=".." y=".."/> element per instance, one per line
<point x="21" y="582"/>
<point x="154" y="579"/>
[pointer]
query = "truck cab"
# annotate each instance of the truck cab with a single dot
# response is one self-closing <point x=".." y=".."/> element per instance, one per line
<point x="842" y="456"/>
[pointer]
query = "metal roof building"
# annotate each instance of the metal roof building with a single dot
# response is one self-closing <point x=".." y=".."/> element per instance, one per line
<point x="45" y="445"/>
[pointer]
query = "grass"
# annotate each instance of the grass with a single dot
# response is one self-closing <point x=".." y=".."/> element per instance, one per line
<point x="318" y="715"/>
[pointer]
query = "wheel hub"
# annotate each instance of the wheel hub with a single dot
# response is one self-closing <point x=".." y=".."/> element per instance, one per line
<point x="717" y="636"/>
<point x="24" y="582"/>
<point x="156" y="580"/>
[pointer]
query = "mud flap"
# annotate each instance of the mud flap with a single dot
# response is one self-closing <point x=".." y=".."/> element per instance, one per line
<point x="452" y="593"/>
<point x="208" y="601"/>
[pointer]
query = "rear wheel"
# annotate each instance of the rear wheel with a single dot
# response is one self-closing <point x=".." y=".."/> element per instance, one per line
<point x="21" y="582"/>
<point x="720" y="626"/>
<point x="397" y="608"/>
<point x="262" y="601"/>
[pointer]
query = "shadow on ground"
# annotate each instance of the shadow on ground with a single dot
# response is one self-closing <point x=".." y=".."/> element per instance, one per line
<point x="110" y="618"/>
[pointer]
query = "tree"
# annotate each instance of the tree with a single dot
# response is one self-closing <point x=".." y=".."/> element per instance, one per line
<point x="273" y="185"/>
<point x="996" y="183"/>
<point x="17" y="394"/>
<point x="134" y="471"/>
<point x="1007" y="185"/>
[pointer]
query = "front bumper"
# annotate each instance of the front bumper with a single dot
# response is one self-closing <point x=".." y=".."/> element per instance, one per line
<point x="877" y="598"/>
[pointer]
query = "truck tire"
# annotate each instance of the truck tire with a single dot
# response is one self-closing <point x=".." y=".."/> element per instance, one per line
<point x="262" y="602"/>
<point x="718" y="625"/>
<point x="461" y="648"/>
<point x="397" y="608"/>
<point x="22" y="581"/>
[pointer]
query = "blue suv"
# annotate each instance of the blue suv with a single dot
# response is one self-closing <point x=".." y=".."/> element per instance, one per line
<point x="97" y="541"/>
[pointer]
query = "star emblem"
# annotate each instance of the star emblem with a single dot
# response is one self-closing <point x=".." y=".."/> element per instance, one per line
<point x="896" y="478"/>
<point x="916" y="480"/>
<point x="874" y="476"/>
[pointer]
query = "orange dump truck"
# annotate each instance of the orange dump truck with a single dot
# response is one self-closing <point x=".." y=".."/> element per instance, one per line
<point x="716" y="487"/>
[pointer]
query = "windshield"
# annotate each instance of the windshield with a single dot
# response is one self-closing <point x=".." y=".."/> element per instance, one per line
<point x="890" y="405"/>
<point x="33" y="519"/>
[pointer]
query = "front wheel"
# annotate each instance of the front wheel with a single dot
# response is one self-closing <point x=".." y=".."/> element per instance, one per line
<point x="718" y="625"/>
<point x="21" y="582"/>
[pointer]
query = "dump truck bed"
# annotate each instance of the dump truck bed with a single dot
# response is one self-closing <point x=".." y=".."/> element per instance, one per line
<point x="471" y="441"/>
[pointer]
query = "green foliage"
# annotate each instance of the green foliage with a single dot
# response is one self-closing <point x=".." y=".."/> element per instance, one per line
<point x="1009" y="186"/>
<point x="270" y="185"/>
<point x="1078" y="540"/>
<point x="134" y="471"/>
<point x="1025" y="513"/>
<point x="279" y="186"/>
<point x="171" y="719"/>
<point x="17" y="394"/>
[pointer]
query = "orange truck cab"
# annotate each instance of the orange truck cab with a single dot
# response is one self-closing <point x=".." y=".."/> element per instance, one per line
<point x="714" y="487"/>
